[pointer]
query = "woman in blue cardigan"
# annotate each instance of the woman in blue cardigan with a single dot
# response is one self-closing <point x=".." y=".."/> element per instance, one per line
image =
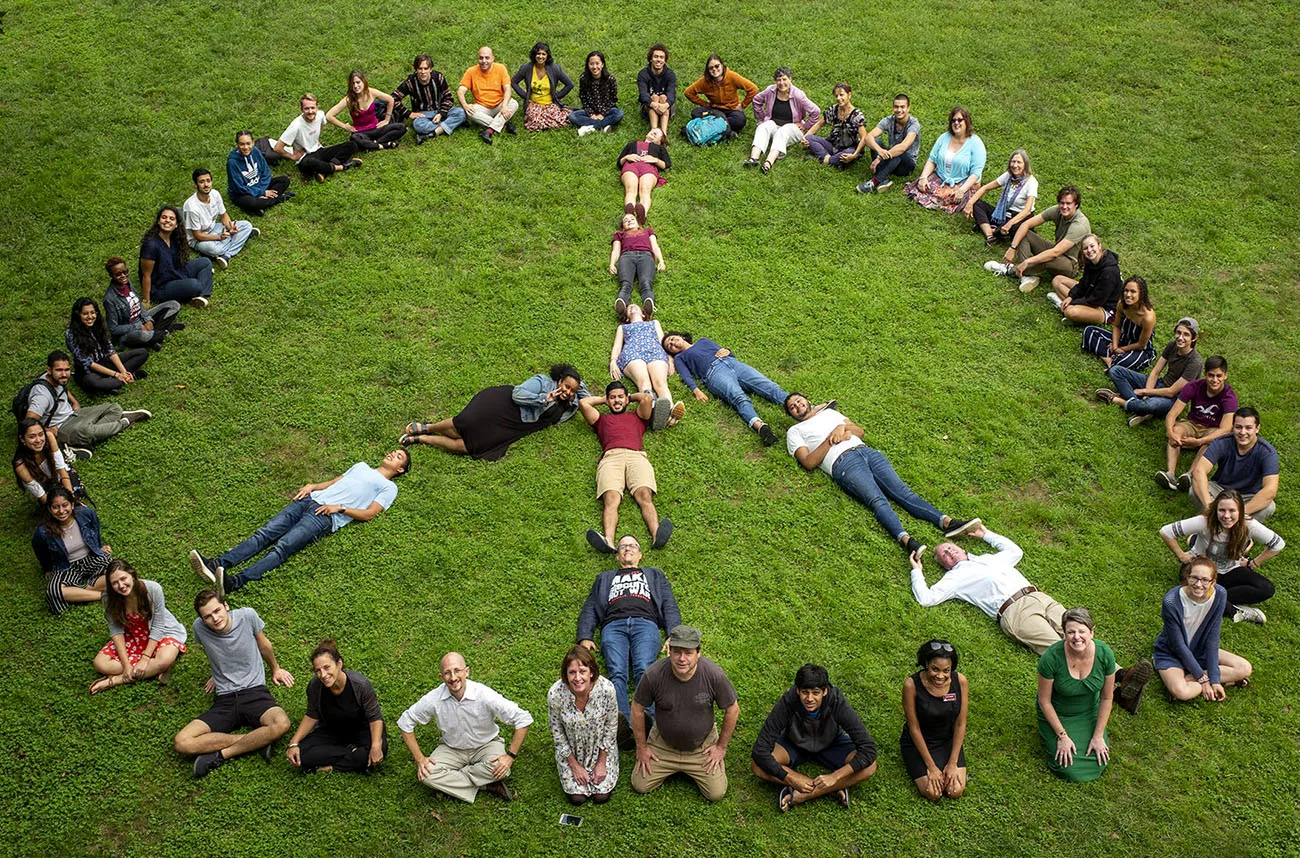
<point x="72" y="556"/>
<point x="952" y="172"/>
<point x="1187" y="652"/>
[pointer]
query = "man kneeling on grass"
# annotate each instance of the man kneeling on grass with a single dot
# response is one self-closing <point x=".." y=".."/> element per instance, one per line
<point x="813" y="722"/>
<point x="238" y="651"/>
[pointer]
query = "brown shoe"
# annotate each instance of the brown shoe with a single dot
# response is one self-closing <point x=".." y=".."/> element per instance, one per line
<point x="501" y="790"/>
<point x="1129" y="693"/>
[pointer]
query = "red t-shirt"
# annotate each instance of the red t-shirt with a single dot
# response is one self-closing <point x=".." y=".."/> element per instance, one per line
<point x="621" y="430"/>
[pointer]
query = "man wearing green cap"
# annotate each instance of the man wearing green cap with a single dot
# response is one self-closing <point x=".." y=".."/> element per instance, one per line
<point x="683" y="689"/>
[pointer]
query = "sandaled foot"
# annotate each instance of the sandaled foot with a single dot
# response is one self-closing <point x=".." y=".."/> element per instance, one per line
<point x="419" y="429"/>
<point x="785" y="799"/>
<point x="767" y="167"/>
<point x="842" y="797"/>
<point x="103" y="684"/>
<point x="408" y="439"/>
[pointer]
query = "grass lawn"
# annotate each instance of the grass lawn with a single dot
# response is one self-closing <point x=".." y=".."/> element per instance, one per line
<point x="398" y="290"/>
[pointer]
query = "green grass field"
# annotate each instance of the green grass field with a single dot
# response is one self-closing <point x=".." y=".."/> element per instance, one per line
<point x="398" y="290"/>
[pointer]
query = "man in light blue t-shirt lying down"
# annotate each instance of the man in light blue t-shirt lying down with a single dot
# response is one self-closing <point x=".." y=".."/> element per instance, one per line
<point x="359" y="494"/>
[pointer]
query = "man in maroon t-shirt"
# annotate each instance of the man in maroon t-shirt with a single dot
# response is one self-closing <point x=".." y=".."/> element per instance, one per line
<point x="623" y="464"/>
<point x="1210" y="403"/>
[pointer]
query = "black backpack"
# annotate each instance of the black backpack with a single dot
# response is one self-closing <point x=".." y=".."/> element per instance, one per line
<point x="23" y="397"/>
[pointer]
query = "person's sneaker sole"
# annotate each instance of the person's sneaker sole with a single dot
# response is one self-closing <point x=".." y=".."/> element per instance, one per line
<point x="1028" y="284"/>
<point x="663" y="534"/>
<point x="200" y="302"/>
<point x="767" y="436"/>
<point x="200" y="568"/>
<point x="1184" y="481"/>
<point x="648" y="307"/>
<point x="1249" y="614"/>
<point x="1166" y="481"/>
<point x="1135" y="682"/>
<point x="678" y="412"/>
<point x="221" y="263"/>
<point x="963" y="528"/>
<point x="597" y="541"/>
<point x="663" y="409"/>
<point x="883" y="186"/>
<point x="620" y="307"/>
<point x="1138" y="420"/>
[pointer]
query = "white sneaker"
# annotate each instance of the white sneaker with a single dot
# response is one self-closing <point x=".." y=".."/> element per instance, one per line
<point x="1028" y="284"/>
<point x="199" y="301"/>
<point x="1000" y="268"/>
<point x="1055" y="299"/>
<point x="1249" y="615"/>
<point x="1137" y="420"/>
<point x="607" y="129"/>
<point x="585" y="130"/>
<point x="220" y="262"/>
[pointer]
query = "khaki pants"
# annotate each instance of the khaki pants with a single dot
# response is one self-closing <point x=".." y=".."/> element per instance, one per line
<point x="459" y="773"/>
<point x="1035" y="244"/>
<point x="691" y="763"/>
<point x="92" y="424"/>
<point x="491" y="116"/>
<point x="1034" y="620"/>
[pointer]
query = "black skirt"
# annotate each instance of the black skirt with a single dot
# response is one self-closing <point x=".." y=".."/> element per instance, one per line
<point x="490" y="423"/>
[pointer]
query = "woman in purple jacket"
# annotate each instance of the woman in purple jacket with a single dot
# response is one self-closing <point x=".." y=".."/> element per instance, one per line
<point x="783" y="114"/>
<point x="1187" y="650"/>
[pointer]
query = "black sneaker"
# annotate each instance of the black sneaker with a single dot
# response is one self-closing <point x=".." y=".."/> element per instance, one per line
<point x="648" y="308"/>
<point x="175" y="326"/>
<point x="956" y="527"/>
<point x="204" y="764"/>
<point x="597" y="541"/>
<point x="913" y="546"/>
<point x="206" y="568"/>
<point x="626" y="741"/>
<point x="486" y="136"/>
<point x="620" y="306"/>
<point x="663" y="533"/>
<point x="1129" y="696"/>
<point x="767" y="435"/>
<point x="265" y="752"/>
<point x="510" y="129"/>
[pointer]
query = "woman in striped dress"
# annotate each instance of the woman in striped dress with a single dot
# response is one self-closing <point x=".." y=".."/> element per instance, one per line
<point x="70" y="552"/>
<point x="1127" y="342"/>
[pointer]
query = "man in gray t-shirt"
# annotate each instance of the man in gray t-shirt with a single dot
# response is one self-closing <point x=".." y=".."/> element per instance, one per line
<point x="1031" y="255"/>
<point x="683" y="689"/>
<point x="238" y="652"/>
<point x="897" y="148"/>
<point x="52" y="404"/>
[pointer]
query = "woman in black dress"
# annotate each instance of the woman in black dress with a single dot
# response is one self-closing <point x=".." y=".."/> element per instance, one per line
<point x="499" y="416"/>
<point x="343" y="730"/>
<point x="934" y="702"/>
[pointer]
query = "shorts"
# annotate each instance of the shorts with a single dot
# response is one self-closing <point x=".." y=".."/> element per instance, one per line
<point x="1195" y="430"/>
<point x="831" y="758"/>
<point x="621" y="469"/>
<point x="237" y="709"/>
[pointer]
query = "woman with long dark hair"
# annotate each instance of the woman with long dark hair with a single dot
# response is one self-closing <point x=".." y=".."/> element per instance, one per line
<point x="71" y="553"/>
<point x="39" y="466"/>
<point x="499" y="416"/>
<point x="145" y="638"/>
<point x="1127" y="342"/>
<point x="541" y="85"/>
<point x="343" y="730"/>
<point x="96" y="365"/>
<point x="362" y="102"/>
<point x="846" y="131"/>
<point x="598" y="92"/>
<point x="166" y="271"/>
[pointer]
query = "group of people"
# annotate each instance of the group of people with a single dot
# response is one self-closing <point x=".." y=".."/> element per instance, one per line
<point x="661" y="708"/>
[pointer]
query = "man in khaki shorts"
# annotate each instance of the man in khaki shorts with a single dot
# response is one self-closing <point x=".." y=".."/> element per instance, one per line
<point x="623" y="465"/>
<point x="1200" y="415"/>
<point x="683" y="690"/>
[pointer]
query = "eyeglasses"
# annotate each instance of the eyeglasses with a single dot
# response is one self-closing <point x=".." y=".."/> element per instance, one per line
<point x="1197" y="579"/>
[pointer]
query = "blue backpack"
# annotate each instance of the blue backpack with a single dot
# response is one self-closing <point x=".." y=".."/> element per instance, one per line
<point x="706" y="130"/>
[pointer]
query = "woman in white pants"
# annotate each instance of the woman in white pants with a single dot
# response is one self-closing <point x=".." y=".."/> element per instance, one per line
<point x="783" y="113"/>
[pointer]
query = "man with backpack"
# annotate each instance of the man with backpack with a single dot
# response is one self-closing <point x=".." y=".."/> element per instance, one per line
<point x="48" y="400"/>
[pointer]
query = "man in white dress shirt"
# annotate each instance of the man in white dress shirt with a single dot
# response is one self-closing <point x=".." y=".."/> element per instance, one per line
<point x="471" y="755"/>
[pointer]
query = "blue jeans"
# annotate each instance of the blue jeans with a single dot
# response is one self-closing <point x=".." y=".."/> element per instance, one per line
<point x="869" y="478"/>
<point x="729" y="380"/>
<point x="628" y="645"/>
<point x="580" y="118"/>
<point x="290" y="531"/>
<point x="1125" y="380"/>
<point x="899" y="165"/>
<point x="230" y="245"/>
<point x="424" y="125"/>
<point x="197" y="283"/>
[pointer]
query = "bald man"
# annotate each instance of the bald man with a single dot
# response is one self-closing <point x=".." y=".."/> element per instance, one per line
<point x="471" y="755"/>
<point x="489" y="83"/>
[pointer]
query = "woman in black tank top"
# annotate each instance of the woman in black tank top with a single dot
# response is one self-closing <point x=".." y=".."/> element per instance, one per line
<point x="934" y="702"/>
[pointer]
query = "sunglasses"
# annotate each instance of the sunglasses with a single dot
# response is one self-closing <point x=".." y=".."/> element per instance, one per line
<point x="939" y="646"/>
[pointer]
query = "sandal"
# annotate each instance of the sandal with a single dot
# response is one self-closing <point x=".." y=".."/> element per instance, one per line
<point x="102" y="684"/>
<point x="750" y="162"/>
<point x="785" y="799"/>
<point x="408" y="440"/>
<point x="767" y="167"/>
<point x="419" y="429"/>
<point x="842" y="797"/>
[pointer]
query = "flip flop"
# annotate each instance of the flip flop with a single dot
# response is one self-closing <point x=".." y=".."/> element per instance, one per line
<point x="102" y="684"/>
<point x="785" y="799"/>
<point x="842" y="797"/>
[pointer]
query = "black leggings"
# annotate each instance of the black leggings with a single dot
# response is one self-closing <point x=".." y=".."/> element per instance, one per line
<point x="1245" y="587"/>
<point x="322" y="748"/>
<point x="94" y="383"/>
<point x="257" y="205"/>
<point x="379" y="135"/>
<point x="735" y="118"/>
<point x="323" y="160"/>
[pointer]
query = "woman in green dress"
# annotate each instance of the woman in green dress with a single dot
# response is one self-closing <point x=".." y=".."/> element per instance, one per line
<point x="1076" y="682"/>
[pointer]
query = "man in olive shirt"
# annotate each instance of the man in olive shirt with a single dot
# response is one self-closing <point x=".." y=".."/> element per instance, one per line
<point x="1030" y="254"/>
<point x="683" y="689"/>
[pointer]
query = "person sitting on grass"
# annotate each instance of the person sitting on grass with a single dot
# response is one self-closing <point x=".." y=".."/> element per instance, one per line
<point x="433" y="109"/>
<point x="1127" y="340"/>
<point x="371" y="122"/>
<point x="489" y="83"/>
<point x="1210" y="403"/>
<point x="1226" y="535"/>
<point x="499" y="416"/>
<point x="211" y="231"/>
<point x="952" y="171"/>
<point x="343" y="730"/>
<point x="623" y="464"/>
<point x="300" y="143"/>
<point x="145" y="639"/>
<point x="239" y="652"/>
<point x="166" y="271"/>
<point x="639" y="355"/>
<point x="98" y="368"/>
<point x="50" y="403"/>
<point x="249" y="180"/>
<point x="782" y="113"/>
<point x="1187" y="651"/>
<point x="1087" y="301"/>
<point x="656" y="86"/>
<point x="935" y="701"/>
<point x="470" y="755"/>
<point x="582" y="712"/>
<point x="317" y="510"/>
<point x="1076" y="686"/>
<point x="847" y="134"/>
<point x="719" y="92"/>
<point x="634" y="255"/>
<point x="725" y="376"/>
<point x="71" y="552"/>
<point x="638" y="169"/>
<point x="813" y="722"/>
<point x="1152" y="395"/>
<point x="826" y="439"/>
<point x="39" y="466"/>
<point x="598" y="93"/>
<point x="897" y="149"/>
<point x="130" y="323"/>
<point x="542" y="85"/>
<point x="1031" y="255"/>
<point x="1245" y="462"/>
<point x="1015" y="203"/>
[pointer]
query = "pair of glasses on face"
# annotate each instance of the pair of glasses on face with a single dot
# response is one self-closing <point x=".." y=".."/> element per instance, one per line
<point x="939" y="646"/>
<point x="1197" y="579"/>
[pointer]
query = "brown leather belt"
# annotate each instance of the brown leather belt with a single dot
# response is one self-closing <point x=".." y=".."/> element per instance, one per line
<point x="1017" y="595"/>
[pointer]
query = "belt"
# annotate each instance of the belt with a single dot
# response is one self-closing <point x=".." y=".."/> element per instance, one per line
<point x="1016" y="595"/>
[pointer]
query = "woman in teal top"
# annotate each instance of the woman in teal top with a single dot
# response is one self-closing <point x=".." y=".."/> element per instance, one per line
<point x="1076" y="681"/>
<point x="952" y="172"/>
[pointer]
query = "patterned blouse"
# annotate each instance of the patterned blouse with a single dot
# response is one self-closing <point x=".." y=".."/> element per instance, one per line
<point x="584" y="734"/>
<point x="844" y="132"/>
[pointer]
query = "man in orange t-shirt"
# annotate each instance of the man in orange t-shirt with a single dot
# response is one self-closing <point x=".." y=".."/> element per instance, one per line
<point x="493" y="105"/>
